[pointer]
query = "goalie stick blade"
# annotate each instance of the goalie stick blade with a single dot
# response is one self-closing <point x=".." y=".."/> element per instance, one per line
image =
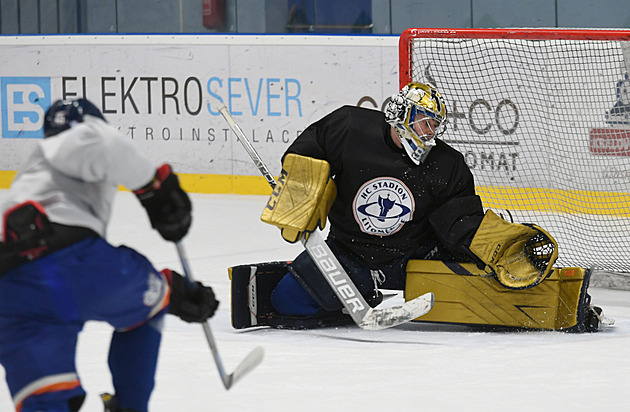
<point x="248" y="364"/>
<point x="376" y="319"/>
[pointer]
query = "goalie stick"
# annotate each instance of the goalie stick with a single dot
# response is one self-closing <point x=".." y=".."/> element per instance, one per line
<point x="253" y="359"/>
<point x="363" y="315"/>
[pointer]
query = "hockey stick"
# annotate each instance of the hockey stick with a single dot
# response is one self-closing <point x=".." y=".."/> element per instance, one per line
<point x="253" y="359"/>
<point x="336" y="276"/>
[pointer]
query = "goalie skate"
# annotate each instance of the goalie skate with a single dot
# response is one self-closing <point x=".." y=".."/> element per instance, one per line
<point x="595" y="320"/>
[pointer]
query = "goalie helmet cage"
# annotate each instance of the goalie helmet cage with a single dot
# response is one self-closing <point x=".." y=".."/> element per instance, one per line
<point x="542" y="117"/>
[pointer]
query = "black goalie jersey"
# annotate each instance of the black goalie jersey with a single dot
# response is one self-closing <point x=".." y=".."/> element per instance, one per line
<point x="386" y="206"/>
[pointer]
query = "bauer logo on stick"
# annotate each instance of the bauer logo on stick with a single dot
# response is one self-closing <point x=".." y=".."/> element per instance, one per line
<point x="345" y="290"/>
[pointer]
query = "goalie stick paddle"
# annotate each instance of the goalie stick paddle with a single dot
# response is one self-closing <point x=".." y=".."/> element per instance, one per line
<point x="253" y="359"/>
<point x="363" y="315"/>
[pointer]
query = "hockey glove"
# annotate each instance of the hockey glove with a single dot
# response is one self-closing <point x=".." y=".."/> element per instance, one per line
<point x="26" y="230"/>
<point x="301" y="200"/>
<point x="167" y="205"/>
<point x="521" y="256"/>
<point x="190" y="302"/>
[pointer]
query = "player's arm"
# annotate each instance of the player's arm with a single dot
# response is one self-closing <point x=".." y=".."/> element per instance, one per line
<point x="306" y="191"/>
<point x="456" y="221"/>
<point x="301" y="200"/>
<point x="458" y="211"/>
<point x="191" y="303"/>
<point x="168" y="206"/>
<point x="94" y="151"/>
<point x="158" y="189"/>
<point x="521" y="256"/>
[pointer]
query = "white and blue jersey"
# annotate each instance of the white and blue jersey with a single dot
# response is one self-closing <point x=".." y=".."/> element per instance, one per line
<point x="75" y="174"/>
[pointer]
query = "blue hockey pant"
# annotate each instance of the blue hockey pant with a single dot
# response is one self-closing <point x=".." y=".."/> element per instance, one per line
<point x="44" y="304"/>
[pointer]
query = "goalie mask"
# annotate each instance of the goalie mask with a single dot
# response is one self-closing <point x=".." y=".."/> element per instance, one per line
<point x="418" y="114"/>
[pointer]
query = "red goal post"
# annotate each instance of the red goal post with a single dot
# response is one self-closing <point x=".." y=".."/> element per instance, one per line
<point x="542" y="117"/>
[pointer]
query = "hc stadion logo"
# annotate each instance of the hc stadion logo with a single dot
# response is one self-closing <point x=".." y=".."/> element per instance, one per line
<point x="24" y="102"/>
<point x="382" y="206"/>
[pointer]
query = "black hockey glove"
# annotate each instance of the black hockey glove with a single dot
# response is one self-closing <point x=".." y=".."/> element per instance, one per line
<point x="191" y="303"/>
<point x="167" y="205"/>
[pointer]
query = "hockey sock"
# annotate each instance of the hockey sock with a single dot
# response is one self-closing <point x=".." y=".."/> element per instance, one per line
<point x="290" y="298"/>
<point x="132" y="361"/>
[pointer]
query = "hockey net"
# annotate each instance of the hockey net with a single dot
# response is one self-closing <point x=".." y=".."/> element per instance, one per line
<point x="542" y="118"/>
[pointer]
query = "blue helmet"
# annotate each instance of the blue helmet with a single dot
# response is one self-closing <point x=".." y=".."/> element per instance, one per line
<point x="64" y="113"/>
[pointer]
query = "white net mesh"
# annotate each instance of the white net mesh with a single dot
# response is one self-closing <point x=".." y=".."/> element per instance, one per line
<point x="544" y="128"/>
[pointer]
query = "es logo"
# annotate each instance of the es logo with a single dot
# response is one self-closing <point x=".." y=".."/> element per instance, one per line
<point x="24" y="102"/>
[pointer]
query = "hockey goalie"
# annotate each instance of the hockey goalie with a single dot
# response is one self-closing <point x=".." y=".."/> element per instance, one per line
<point x="403" y="216"/>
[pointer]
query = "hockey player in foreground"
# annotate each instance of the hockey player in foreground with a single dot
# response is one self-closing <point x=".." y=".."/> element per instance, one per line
<point x="404" y="216"/>
<point x="57" y="270"/>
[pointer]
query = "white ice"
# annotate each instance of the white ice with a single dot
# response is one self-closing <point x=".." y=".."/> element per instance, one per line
<point x="407" y="368"/>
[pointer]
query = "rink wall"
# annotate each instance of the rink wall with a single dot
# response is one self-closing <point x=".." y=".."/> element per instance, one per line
<point x="162" y="92"/>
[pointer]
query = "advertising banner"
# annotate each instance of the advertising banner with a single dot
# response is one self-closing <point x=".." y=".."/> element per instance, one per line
<point x="162" y="92"/>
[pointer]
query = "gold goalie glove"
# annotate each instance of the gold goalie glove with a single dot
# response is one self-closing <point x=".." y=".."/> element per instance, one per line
<point x="302" y="198"/>
<point x="520" y="255"/>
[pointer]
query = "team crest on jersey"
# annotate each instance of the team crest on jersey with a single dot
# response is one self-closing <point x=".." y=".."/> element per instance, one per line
<point x="383" y="205"/>
<point x="155" y="290"/>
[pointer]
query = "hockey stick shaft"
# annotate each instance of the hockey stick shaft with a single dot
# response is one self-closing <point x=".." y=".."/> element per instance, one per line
<point x="336" y="276"/>
<point x="252" y="360"/>
<point x="247" y="145"/>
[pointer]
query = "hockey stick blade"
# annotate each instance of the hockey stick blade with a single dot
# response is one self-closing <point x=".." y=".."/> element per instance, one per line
<point x="376" y="319"/>
<point x="253" y="359"/>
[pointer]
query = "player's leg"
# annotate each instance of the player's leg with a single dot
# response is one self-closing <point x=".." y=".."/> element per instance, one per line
<point x="304" y="291"/>
<point x="132" y="360"/>
<point x="121" y="287"/>
<point x="38" y="343"/>
<point x="289" y="297"/>
<point x="297" y="296"/>
<point x="39" y="368"/>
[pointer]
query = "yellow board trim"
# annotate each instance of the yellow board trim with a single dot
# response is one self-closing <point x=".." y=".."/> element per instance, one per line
<point x="494" y="197"/>
<point x="195" y="183"/>
<point x="240" y="185"/>
<point x="555" y="200"/>
<point x="6" y="177"/>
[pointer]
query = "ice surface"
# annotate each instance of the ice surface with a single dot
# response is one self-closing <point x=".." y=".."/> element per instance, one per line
<point x="410" y="367"/>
